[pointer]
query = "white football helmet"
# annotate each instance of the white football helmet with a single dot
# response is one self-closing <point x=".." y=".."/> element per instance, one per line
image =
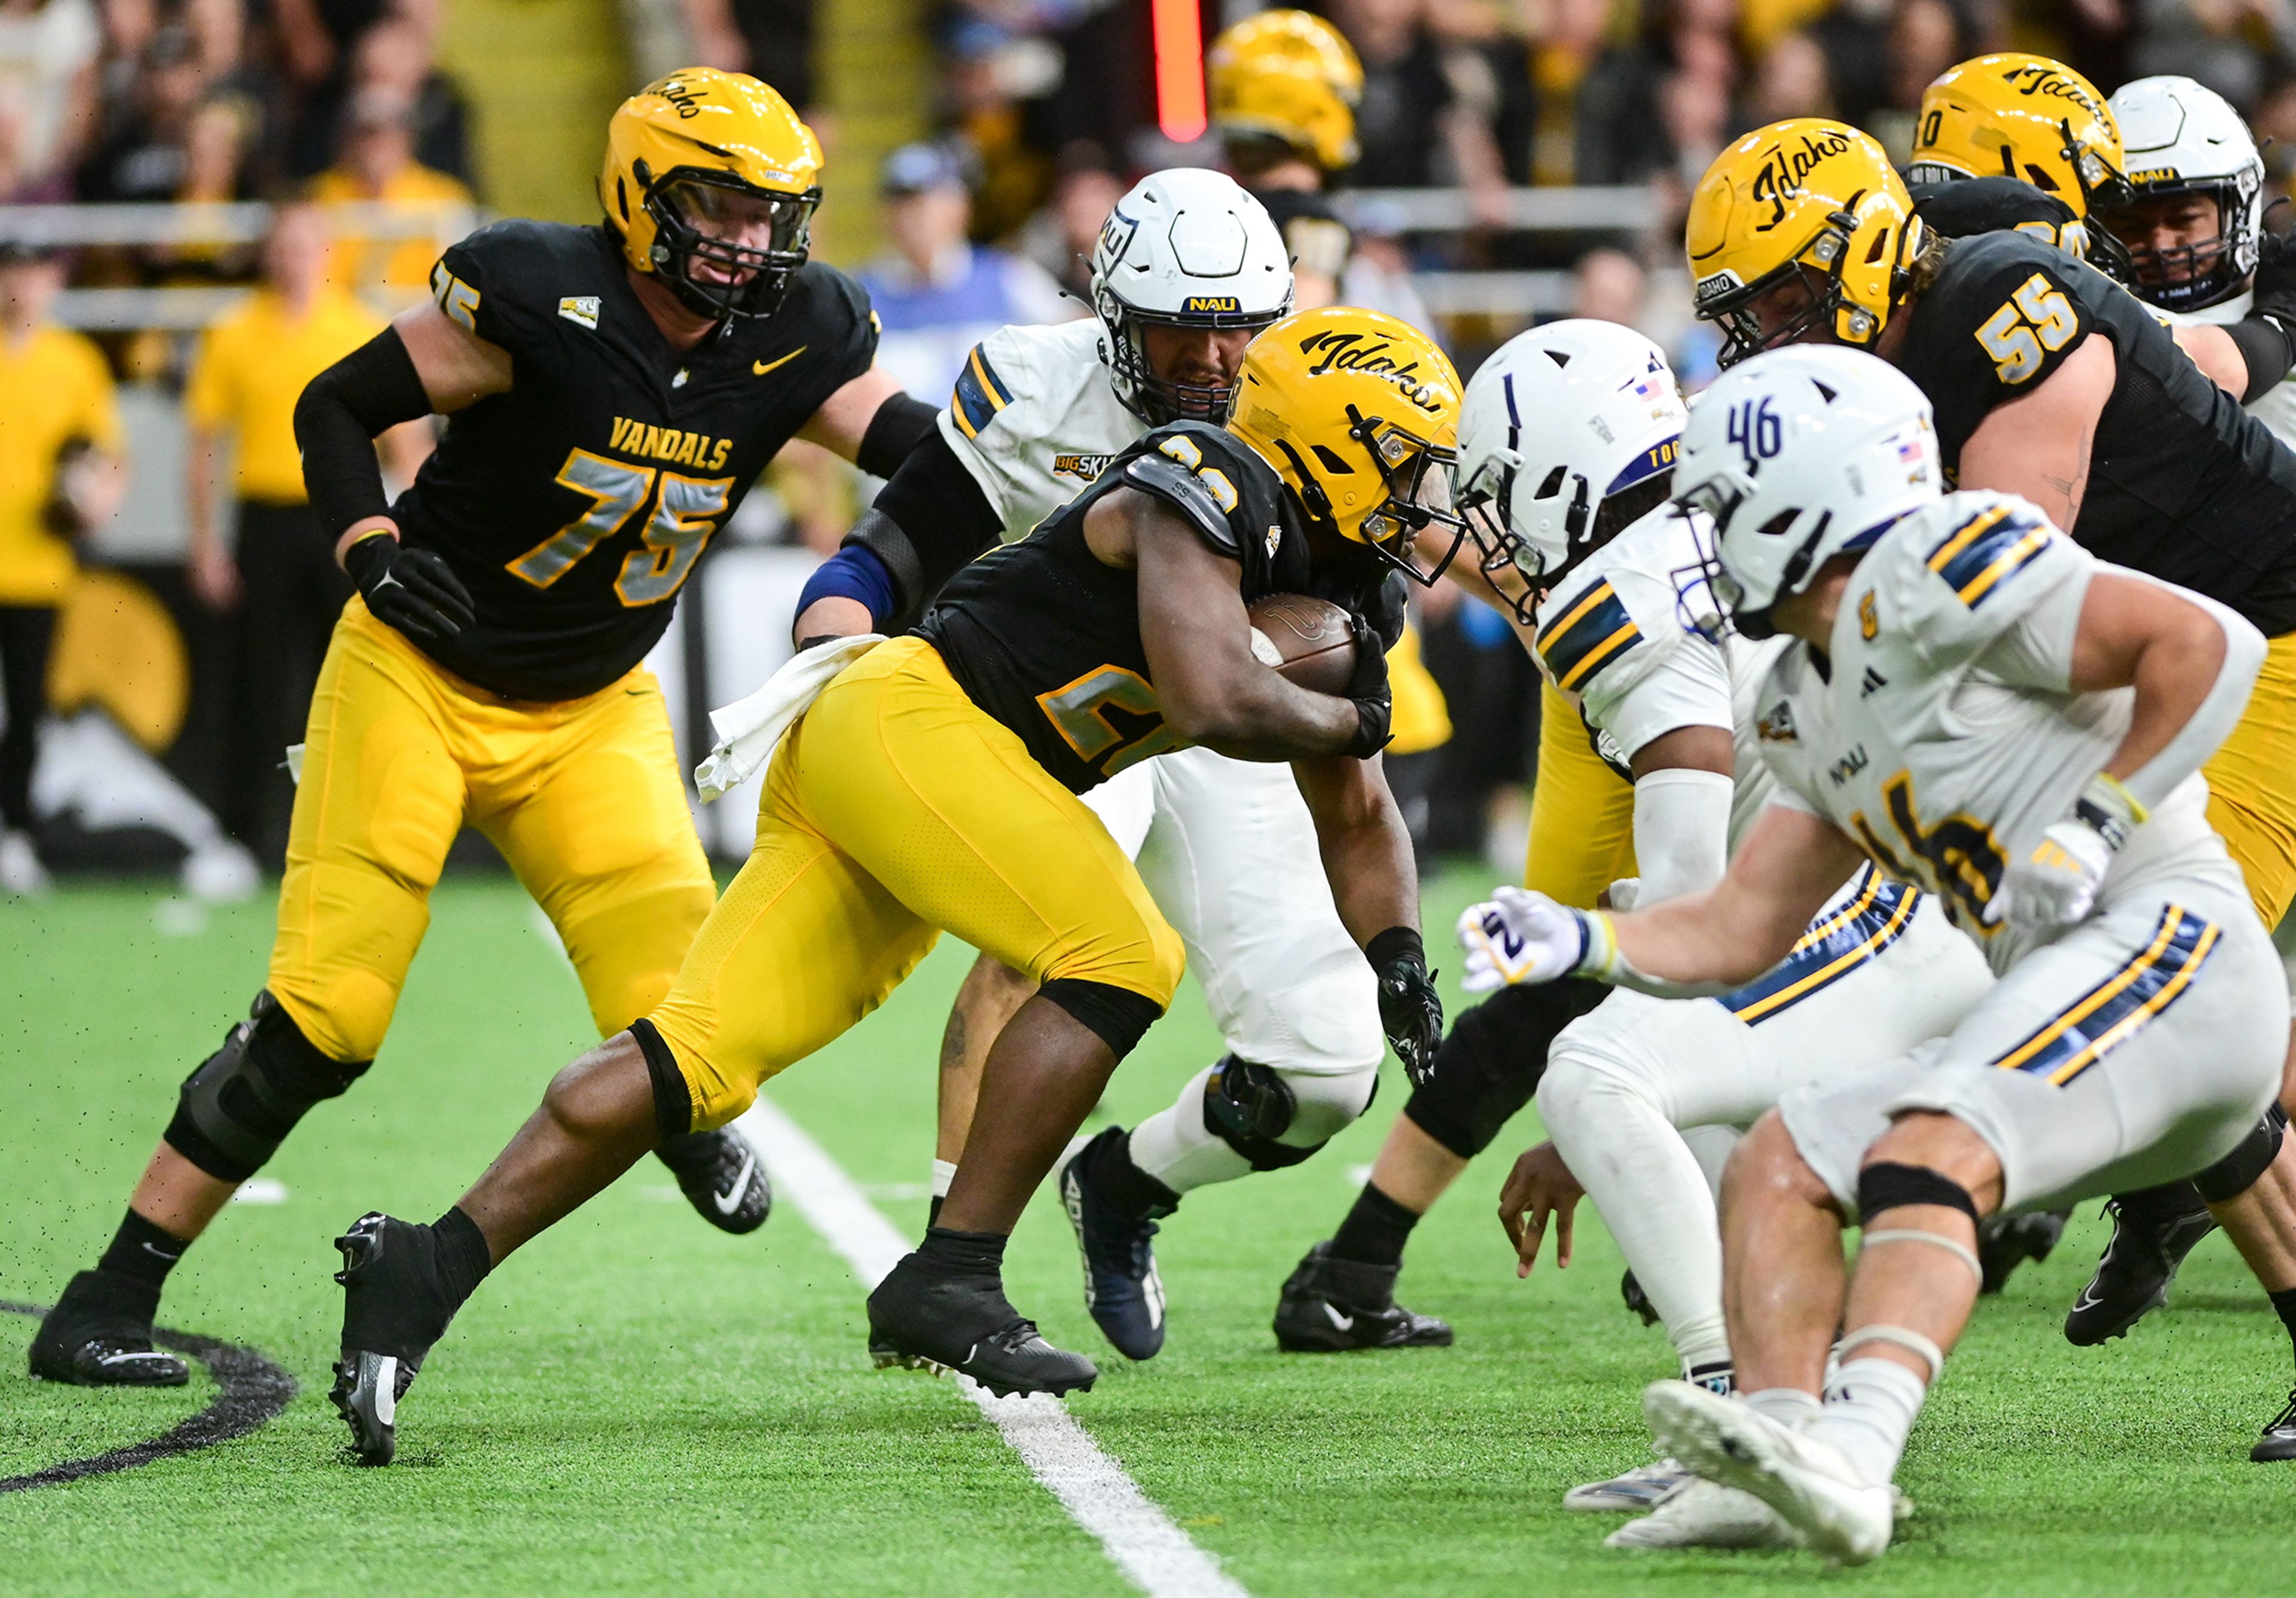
<point x="2182" y="137"/>
<point x="1556" y="423"/>
<point x="1188" y="248"/>
<point x="1799" y="454"/>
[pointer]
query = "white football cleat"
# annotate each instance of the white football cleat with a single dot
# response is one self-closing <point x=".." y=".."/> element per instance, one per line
<point x="1630" y="1492"/>
<point x="1705" y="1514"/>
<point x="1807" y="1480"/>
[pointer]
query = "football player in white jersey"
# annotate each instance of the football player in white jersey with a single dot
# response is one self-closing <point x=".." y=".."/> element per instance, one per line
<point x="1188" y="268"/>
<point x="1880" y="967"/>
<point x="1979" y="708"/>
<point x="2195" y="233"/>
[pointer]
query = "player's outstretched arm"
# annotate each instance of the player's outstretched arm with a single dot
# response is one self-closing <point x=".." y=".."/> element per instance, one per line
<point x="1700" y="944"/>
<point x="1198" y="641"/>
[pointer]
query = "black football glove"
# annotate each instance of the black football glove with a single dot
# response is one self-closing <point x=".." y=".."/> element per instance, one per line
<point x="1410" y="1011"/>
<point x="415" y="590"/>
<point x="1374" y="703"/>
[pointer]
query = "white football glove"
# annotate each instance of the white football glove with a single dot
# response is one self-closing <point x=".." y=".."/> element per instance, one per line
<point x="1517" y="937"/>
<point x="2056" y="884"/>
<point x="1625" y="893"/>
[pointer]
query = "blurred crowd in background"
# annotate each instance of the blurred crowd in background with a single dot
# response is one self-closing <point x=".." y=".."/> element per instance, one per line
<point x="1042" y="112"/>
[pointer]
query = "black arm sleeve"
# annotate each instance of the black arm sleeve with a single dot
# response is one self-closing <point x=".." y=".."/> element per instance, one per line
<point x="341" y="413"/>
<point x="2264" y="343"/>
<point x="930" y="520"/>
<point x="900" y="425"/>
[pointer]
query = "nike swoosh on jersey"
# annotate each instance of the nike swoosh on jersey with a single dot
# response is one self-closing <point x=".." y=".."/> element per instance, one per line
<point x="732" y="1196"/>
<point x="759" y="368"/>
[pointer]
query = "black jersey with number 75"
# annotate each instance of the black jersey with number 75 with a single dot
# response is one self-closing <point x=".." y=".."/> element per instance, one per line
<point x="574" y="504"/>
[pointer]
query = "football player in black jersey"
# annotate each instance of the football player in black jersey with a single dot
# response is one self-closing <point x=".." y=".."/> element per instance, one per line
<point x="1282" y="88"/>
<point x="2051" y="381"/>
<point x="613" y="391"/>
<point x="931" y="784"/>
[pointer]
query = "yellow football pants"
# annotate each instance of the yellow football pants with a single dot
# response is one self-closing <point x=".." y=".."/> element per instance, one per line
<point x="895" y="809"/>
<point x="2252" y="784"/>
<point x="583" y="798"/>
<point x="1582" y="813"/>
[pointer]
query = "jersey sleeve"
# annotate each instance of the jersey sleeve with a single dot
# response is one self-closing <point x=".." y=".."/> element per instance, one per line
<point x="848" y="325"/>
<point x="996" y="411"/>
<point x="1637" y="671"/>
<point x="1994" y="329"/>
<point x="1212" y="480"/>
<point x="488" y="283"/>
<point x="1957" y="581"/>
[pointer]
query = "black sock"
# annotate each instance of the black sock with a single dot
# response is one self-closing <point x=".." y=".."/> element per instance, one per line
<point x="464" y="1256"/>
<point x="142" y="1251"/>
<point x="1375" y="1230"/>
<point x="1129" y="1190"/>
<point x="965" y="1253"/>
<point x="2285" y="1301"/>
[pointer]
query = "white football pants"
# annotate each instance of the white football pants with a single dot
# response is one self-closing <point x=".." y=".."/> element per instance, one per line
<point x="1229" y="852"/>
<point x="1880" y="971"/>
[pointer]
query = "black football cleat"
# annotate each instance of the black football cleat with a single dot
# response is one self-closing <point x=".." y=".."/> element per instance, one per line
<point x="1638" y="1300"/>
<point x="721" y="1175"/>
<point x="2140" y="1261"/>
<point x="99" y="1335"/>
<point x="2005" y="1241"/>
<point x="2279" y="1439"/>
<point x="924" y="1319"/>
<point x="395" y="1308"/>
<point x="1330" y="1306"/>
<point x="1121" y="1288"/>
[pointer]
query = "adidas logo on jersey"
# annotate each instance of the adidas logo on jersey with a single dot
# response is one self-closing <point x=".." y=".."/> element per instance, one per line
<point x="581" y="308"/>
<point x="1085" y="468"/>
<point x="1871" y="684"/>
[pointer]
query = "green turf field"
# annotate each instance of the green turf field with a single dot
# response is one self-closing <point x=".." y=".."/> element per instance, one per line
<point x="638" y="1404"/>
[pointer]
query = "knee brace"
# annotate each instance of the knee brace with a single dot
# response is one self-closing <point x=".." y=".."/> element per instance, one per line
<point x="2239" y="1170"/>
<point x="1489" y="1065"/>
<point x="1890" y="1186"/>
<point x="233" y="1111"/>
<point x="1249" y="1106"/>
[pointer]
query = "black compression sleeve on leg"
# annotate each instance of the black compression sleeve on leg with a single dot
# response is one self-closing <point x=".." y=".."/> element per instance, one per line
<point x="900" y="425"/>
<point x="1489" y="1065"/>
<point x="930" y="520"/>
<point x="1118" y="1016"/>
<point x="464" y="1258"/>
<point x="342" y="411"/>
<point x="673" y="1100"/>
<point x="2240" y="1170"/>
<point x="1889" y="1186"/>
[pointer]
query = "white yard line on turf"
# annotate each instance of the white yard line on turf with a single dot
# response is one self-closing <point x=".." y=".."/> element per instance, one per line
<point x="1156" y="1556"/>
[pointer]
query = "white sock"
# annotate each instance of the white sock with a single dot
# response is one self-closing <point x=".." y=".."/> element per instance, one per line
<point x="1177" y="1148"/>
<point x="1653" y="1195"/>
<point x="1789" y="1406"/>
<point x="944" y="1173"/>
<point x="1869" y="1411"/>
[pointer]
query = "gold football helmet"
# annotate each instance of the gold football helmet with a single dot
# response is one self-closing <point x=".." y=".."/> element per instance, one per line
<point x="1290" y="76"/>
<point x="1813" y="197"/>
<point x="1359" y="412"/>
<point x="2022" y="115"/>
<point x="696" y="164"/>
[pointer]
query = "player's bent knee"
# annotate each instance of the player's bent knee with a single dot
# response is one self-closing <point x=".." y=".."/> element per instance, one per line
<point x="1767" y="1166"/>
<point x="1327" y="1104"/>
<point x="235" y="1111"/>
<point x="673" y="1096"/>
<point x="1116" y="1016"/>
<point x="1491" y="1062"/>
<point x="1577" y="1087"/>
<point x="2241" y="1169"/>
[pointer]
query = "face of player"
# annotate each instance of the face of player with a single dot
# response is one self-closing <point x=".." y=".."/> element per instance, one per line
<point x="1776" y="308"/>
<point x="728" y="217"/>
<point x="1201" y="357"/>
<point x="2160" y="224"/>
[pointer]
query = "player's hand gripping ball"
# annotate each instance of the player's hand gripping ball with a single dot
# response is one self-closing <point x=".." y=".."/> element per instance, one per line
<point x="1516" y="937"/>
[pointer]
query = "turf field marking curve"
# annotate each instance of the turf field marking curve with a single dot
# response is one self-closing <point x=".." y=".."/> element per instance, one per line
<point x="253" y="1391"/>
<point x="1154" y="1554"/>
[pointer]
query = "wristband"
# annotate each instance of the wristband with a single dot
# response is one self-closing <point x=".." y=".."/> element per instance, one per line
<point x="2110" y="810"/>
<point x="1397" y="943"/>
